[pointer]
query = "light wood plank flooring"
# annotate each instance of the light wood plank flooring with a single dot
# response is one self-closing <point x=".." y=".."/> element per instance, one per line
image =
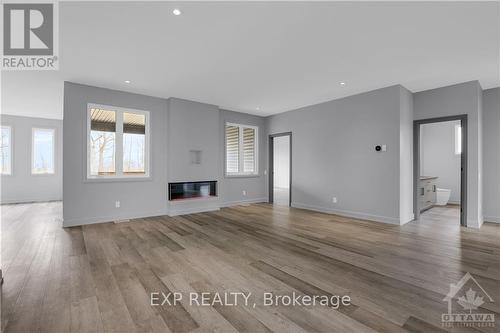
<point x="98" y="278"/>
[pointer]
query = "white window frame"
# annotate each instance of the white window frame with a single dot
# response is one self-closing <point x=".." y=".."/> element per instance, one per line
<point x="53" y="130"/>
<point x="458" y="139"/>
<point x="119" y="111"/>
<point x="11" y="142"/>
<point x="240" y="151"/>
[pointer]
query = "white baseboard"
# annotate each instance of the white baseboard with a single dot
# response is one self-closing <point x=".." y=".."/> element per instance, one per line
<point x="407" y="219"/>
<point x="192" y="210"/>
<point x="494" y="219"/>
<point x="175" y="210"/>
<point x="346" y="213"/>
<point x="243" y="202"/>
<point x="475" y="224"/>
<point x="118" y="217"/>
<point x="29" y="200"/>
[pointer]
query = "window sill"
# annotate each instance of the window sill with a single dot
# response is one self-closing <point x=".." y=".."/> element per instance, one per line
<point x="118" y="179"/>
<point x="243" y="176"/>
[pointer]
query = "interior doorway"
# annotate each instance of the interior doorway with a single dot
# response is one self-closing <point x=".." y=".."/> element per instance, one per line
<point x="280" y="167"/>
<point x="440" y="168"/>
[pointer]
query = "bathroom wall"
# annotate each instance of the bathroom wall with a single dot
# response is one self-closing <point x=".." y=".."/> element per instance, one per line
<point x="438" y="156"/>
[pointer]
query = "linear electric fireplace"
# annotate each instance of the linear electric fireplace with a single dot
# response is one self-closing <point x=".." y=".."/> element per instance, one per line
<point x="192" y="190"/>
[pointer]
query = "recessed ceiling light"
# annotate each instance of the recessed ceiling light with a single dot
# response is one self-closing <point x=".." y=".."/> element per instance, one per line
<point x="176" y="12"/>
<point x="342" y="83"/>
<point x="258" y="108"/>
<point x="127" y="81"/>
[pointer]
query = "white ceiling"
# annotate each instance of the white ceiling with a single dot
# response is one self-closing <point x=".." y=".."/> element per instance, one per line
<point x="272" y="56"/>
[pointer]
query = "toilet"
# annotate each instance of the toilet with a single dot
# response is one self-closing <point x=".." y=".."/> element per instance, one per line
<point x="442" y="196"/>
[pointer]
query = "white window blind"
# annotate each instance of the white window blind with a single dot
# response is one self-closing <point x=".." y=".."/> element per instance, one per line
<point x="241" y="149"/>
<point x="232" y="149"/>
<point x="248" y="150"/>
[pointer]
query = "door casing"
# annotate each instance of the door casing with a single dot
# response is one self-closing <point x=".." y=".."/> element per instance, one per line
<point x="271" y="167"/>
<point x="463" y="163"/>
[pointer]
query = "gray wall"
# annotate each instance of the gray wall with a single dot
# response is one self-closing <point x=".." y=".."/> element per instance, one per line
<point x="333" y="154"/>
<point x="21" y="185"/>
<point x="405" y="156"/>
<point x="491" y="136"/>
<point x="231" y="189"/>
<point x="329" y="158"/>
<point x="193" y="126"/>
<point x="177" y="127"/>
<point x="464" y="98"/>
<point x="438" y="156"/>
<point x="91" y="201"/>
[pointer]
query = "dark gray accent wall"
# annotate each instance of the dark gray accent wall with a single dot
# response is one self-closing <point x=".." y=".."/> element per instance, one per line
<point x="459" y="99"/>
<point x="92" y="201"/>
<point x="21" y="185"/>
<point x="334" y="154"/>
<point x="491" y="165"/>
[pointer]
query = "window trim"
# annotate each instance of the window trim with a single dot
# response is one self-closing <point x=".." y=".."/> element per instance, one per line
<point x="240" y="151"/>
<point x="11" y="148"/>
<point x="119" y="111"/>
<point x="53" y="130"/>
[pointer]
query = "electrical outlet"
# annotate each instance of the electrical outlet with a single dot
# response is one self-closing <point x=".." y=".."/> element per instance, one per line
<point x="334" y="200"/>
<point x="265" y="172"/>
<point x="117" y="204"/>
<point x="244" y="193"/>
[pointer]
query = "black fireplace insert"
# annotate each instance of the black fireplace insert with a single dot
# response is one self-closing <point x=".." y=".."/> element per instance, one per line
<point x="192" y="190"/>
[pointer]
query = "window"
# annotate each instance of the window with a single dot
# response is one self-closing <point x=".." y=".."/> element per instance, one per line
<point x="134" y="143"/>
<point x="6" y="150"/>
<point x="458" y="139"/>
<point x="241" y="149"/>
<point x="102" y="142"/>
<point x="42" y="150"/>
<point x="118" y="142"/>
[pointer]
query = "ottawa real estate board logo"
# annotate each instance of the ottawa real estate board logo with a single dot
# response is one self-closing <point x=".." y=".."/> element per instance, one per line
<point x="30" y="38"/>
<point x="468" y="305"/>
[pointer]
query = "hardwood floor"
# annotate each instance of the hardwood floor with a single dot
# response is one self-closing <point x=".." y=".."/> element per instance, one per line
<point x="99" y="278"/>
